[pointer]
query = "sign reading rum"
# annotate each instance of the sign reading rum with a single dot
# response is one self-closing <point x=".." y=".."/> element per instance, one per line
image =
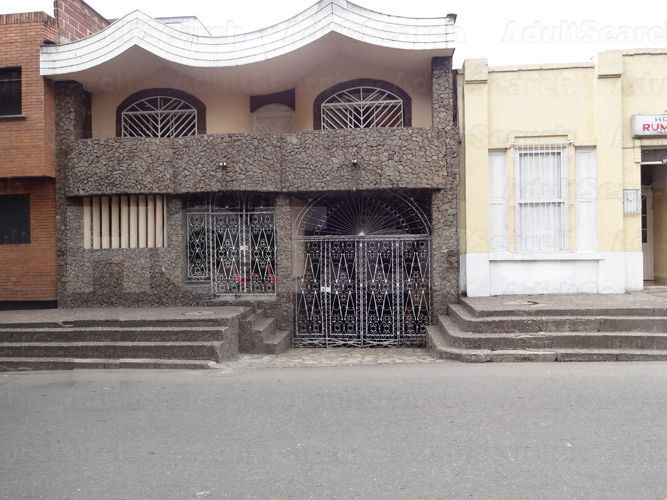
<point x="649" y="125"/>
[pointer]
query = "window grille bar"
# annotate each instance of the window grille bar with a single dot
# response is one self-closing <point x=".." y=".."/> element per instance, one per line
<point x="541" y="197"/>
<point x="362" y="107"/>
<point x="159" y="116"/>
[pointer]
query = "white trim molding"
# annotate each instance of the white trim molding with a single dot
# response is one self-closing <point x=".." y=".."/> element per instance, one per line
<point x="326" y="16"/>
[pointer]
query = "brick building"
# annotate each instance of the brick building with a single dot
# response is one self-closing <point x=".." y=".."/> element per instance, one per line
<point x="27" y="149"/>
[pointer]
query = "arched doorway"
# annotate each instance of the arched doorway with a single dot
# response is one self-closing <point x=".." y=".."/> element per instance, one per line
<point x="363" y="271"/>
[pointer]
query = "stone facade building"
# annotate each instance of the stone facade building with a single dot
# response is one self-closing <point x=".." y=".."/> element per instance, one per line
<point x="310" y="169"/>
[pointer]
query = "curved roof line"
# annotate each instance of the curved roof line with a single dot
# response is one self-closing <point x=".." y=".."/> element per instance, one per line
<point x="326" y="16"/>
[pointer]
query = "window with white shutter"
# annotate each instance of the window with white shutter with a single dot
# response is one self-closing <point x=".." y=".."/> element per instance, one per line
<point x="497" y="201"/>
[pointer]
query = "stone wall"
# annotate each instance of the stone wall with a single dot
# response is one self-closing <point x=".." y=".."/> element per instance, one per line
<point x="71" y="113"/>
<point x="445" y="202"/>
<point x="128" y="277"/>
<point x="304" y="161"/>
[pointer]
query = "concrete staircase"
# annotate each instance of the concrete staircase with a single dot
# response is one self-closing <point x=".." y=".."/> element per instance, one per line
<point x="469" y="333"/>
<point x="119" y="338"/>
<point x="259" y="334"/>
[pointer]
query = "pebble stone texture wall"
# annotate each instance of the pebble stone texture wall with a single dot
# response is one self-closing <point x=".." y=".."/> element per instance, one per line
<point x="285" y="165"/>
<point x="293" y="162"/>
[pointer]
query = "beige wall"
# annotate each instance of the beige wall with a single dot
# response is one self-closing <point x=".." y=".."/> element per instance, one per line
<point x="585" y="105"/>
<point x="229" y="110"/>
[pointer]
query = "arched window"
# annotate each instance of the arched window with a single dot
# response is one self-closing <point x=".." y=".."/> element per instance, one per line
<point x="362" y="103"/>
<point x="160" y="113"/>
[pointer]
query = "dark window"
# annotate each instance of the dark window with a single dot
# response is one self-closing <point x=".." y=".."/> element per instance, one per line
<point x="14" y="219"/>
<point x="10" y="91"/>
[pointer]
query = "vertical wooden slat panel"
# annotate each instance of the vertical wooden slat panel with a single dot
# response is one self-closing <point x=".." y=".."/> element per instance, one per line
<point x="150" y="221"/>
<point x="134" y="220"/>
<point x="87" y="222"/>
<point x="124" y="222"/>
<point x="164" y="220"/>
<point x="105" y="222"/>
<point x="115" y="222"/>
<point x="142" y="221"/>
<point x="97" y="231"/>
<point x="159" y="218"/>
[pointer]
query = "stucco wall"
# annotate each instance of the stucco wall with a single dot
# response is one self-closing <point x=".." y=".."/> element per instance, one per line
<point x="228" y="110"/>
<point x="586" y="105"/>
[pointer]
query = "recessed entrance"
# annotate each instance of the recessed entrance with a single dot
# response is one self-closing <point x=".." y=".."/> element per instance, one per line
<point x="232" y="243"/>
<point x="363" y="272"/>
<point x="653" y="224"/>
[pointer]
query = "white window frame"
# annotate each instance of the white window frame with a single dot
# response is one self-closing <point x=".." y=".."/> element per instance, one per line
<point x="523" y="242"/>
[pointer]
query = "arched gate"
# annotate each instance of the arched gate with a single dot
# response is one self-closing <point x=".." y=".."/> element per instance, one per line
<point x="363" y="272"/>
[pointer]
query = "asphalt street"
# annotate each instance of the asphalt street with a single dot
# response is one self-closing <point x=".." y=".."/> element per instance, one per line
<point x="432" y="430"/>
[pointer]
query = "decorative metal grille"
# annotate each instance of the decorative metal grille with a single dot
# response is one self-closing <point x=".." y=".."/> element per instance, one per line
<point x="363" y="292"/>
<point x="362" y="107"/>
<point x="541" y="197"/>
<point x="233" y="247"/>
<point x="159" y="116"/>
<point x="364" y="275"/>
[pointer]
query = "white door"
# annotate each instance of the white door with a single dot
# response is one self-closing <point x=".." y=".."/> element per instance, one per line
<point x="647" y="231"/>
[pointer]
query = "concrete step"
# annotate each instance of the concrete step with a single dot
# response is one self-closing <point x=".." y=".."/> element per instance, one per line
<point x="279" y="342"/>
<point x="116" y="334"/>
<point x="439" y="346"/>
<point x="20" y="364"/>
<point x="212" y="351"/>
<point x="256" y="330"/>
<point x="534" y="324"/>
<point x="193" y="319"/>
<point x="457" y="337"/>
<point x="516" y="306"/>
<point x="265" y="327"/>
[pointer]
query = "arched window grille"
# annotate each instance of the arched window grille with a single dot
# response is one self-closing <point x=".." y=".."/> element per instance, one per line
<point x="160" y="113"/>
<point x="363" y="104"/>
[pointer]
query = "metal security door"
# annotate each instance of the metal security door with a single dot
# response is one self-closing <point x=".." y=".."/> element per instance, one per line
<point x="242" y="253"/>
<point x="361" y="292"/>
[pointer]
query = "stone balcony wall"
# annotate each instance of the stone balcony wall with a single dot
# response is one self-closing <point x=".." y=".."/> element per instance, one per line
<point x="301" y="161"/>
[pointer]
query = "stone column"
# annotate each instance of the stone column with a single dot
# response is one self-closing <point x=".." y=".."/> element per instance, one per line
<point x="445" y="202"/>
<point x="443" y="106"/>
<point x="72" y="124"/>
<point x="284" y="311"/>
<point x="445" y="250"/>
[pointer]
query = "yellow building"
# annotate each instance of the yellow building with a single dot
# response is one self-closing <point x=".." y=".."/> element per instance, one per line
<point x="564" y="175"/>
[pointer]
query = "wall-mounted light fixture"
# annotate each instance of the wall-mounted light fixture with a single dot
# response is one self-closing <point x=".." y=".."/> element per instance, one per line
<point x="223" y="164"/>
<point x="354" y="163"/>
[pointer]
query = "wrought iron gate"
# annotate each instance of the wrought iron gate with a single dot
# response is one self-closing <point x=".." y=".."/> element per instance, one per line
<point x="363" y="289"/>
<point x="234" y="249"/>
